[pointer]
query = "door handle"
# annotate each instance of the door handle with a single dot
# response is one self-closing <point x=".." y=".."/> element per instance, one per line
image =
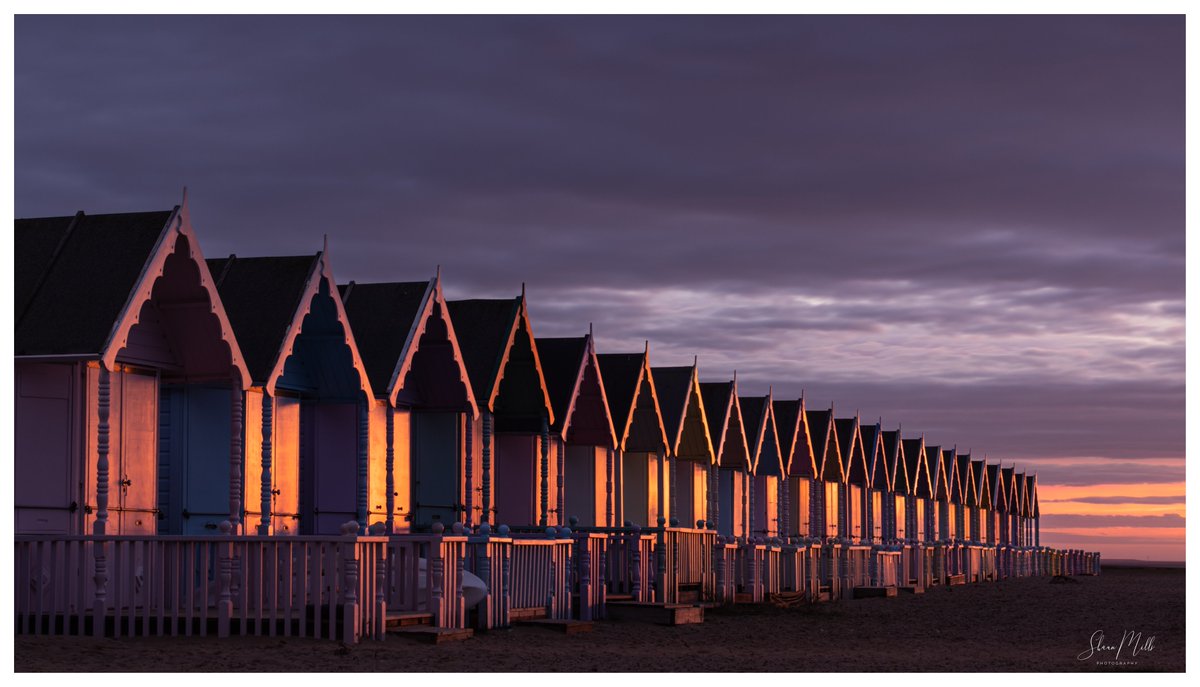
<point x="126" y="482"/>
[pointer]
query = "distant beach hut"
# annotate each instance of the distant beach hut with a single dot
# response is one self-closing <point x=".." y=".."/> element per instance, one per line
<point x="515" y="414"/>
<point x="642" y="473"/>
<point x="122" y="344"/>
<point x="877" y="483"/>
<point x="855" y="484"/>
<point x="423" y="407"/>
<point x="899" y="489"/>
<point x="308" y="413"/>
<point x="730" y="509"/>
<point x="689" y="442"/>
<point x="920" y="558"/>
<point x="795" y="446"/>
<point x="766" y="465"/>
<point x="830" y="474"/>
<point x="969" y="496"/>
<point x="583" y="429"/>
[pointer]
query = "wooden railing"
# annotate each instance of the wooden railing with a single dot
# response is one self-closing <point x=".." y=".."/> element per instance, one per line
<point x="541" y="574"/>
<point x="222" y="585"/>
<point x="425" y="574"/>
<point x="725" y="561"/>
<point x="631" y="564"/>
<point x="591" y="551"/>
<point x="490" y="559"/>
<point x="887" y="568"/>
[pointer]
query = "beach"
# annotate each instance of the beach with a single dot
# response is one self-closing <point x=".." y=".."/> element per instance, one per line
<point x="1026" y="624"/>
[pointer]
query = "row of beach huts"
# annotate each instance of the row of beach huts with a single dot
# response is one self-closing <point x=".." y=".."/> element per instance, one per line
<point x="245" y="446"/>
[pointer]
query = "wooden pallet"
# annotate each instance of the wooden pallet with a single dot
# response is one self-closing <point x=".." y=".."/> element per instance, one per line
<point x="433" y="635"/>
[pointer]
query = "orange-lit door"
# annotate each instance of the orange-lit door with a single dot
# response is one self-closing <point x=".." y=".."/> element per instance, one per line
<point x="285" y="466"/>
<point x="137" y="467"/>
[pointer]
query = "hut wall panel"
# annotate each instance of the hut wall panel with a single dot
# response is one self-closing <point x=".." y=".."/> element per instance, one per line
<point x="285" y="466"/>
<point x="919" y="520"/>
<point x="901" y="520"/>
<point x="204" y="428"/>
<point x="693" y="492"/>
<point x="798" y="502"/>
<point x="516" y="478"/>
<point x="252" y="466"/>
<point x="877" y="514"/>
<point x="402" y="468"/>
<point x="766" y="505"/>
<point x="639" y="490"/>
<point x="730" y="492"/>
<point x="435" y="468"/>
<point x="854" y="508"/>
<point x="44" y="448"/>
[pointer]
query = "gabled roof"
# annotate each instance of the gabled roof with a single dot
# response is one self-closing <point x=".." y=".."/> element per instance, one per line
<point x="683" y="412"/>
<point x="1034" y="511"/>
<point x="952" y="476"/>
<point x="633" y="401"/>
<point x="757" y="412"/>
<point x="795" y="444"/>
<point x="389" y="320"/>
<point x="895" y="454"/>
<point x="983" y="491"/>
<point x="725" y="423"/>
<point x="825" y="445"/>
<point x="1010" y="488"/>
<point x="574" y="381"/>
<point x="941" y="471"/>
<point x="81" y="283"/>
<point x="850" y="440"/>
<point x="917" y="455"/>
<point x="1022" y="494"/>
<point x="269" y="299"/>
<point x="999" y="490"/>
<point x="487" y="331"/>
<point x="966" y="480"/>
<point x="878" y="475"/>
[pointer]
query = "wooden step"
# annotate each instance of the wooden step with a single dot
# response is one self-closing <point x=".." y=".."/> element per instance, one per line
<point x="911" y="589"/>
<point x="741" y="598"/>
<point x="873" y="592"/>
<point x="433" y="635"/>
<point x="519" y="614"/>
<point x="659" y="614"/>
<point x="618" y="597"/>
<point x="824" y="596"/>
<point x="956" y="579"/>
<point x="408" y="618"/>
<point x="567" y="627"/>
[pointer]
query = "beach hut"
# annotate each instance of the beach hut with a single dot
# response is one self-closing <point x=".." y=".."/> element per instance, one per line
<point x="729" y="508"/>
<point x="690" y="443"/>
<point x="921" y="486"/>
<point x="982" y="502"/>
<point x="969" y="496"/>
<point x="117" y="319"/>
<point x="515" y="414"/>
<point x="941" y="515"/>
<point x="423" y="404"/>
<point x="583" y="431"/>
<point x="998" y="523"/>
<point x="642" y="472"/>
<point x="830" y="474"/>
<point x="898" y="487"/>
<point x="766" y="465"/>
<point x="795" y="445"/>
<point x="1034" y="511"/>
<point x="854" y="486"/>
<point x="876" y="483"/>
<point x="308" y="411"/>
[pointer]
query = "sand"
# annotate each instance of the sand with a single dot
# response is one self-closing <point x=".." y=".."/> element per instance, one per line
<point x="1013" y="625"/>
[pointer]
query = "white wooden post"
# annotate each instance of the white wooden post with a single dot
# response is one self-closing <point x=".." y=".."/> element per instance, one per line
<point x="235" y="452"/>
<point x="584" y="560"/>
<point x="469" y="450"/>
<point x="350" y="615"/>
<point x="268" y="409"/>
<point x="380" y="558"/>
<point x="225" y="569"/>
<point x="102" y="411"/>
<point x="390" y="468"/>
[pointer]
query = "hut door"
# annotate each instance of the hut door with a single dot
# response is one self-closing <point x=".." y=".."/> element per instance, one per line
<point x="285" y="466"/>
<point x="581" y="477"/>
<point x="435" y="459"/>
<point x="137" y="466"/>
<point x="207" y="459"/>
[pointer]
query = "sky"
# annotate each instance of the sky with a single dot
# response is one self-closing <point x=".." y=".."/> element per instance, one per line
<point x="970" y="227"/>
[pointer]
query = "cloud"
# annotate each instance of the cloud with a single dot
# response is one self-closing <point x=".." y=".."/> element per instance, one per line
<point x="1164" y="500"/>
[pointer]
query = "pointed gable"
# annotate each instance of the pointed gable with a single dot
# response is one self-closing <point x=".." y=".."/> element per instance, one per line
<point x="633" y="401"/>
<point x="983" y="490"/>
<point x="1034" y="511"/>
<point x="407" y="343"/>
<point x="497" y="344"/>
<point x="1010" y="488"/>
<point x="850" y="439"/>
<point x="918" y="467"/>
<point x="725" y="422"/>
<point x="683" y="413"/>
<point x="966" y="480"/>
<point x="998" y="490"/>
<point x="764" y="443"/>
<point x="825" y="445"/>
<point x="131" y="285"/>
<point x="289" y="316"/>
<point x="581" y="409"/>
<point x="878" y="476"/>
<point x="794" y="448"/>
<point x="895" y="454"/>
<point x="1019" y="488"/>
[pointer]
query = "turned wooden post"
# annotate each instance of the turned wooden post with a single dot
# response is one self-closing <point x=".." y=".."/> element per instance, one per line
<point x="350" y="613"/>
<point x="102" y="411"/>
<point x="635" y="564"/>
<point x="438" y="566"/>
<point x="235" y="452"/>
<point x="469" y="454"/>
<point x="225" y="581"/>
<point x="390" y="469"/>
<point x="487" y="466"/>
<point x="268" y="410"/>
<point x="608" y="488"/>
<point x="584" y="561"/>
<point x="544" y="450"/>
<point x="380" y="624"/>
